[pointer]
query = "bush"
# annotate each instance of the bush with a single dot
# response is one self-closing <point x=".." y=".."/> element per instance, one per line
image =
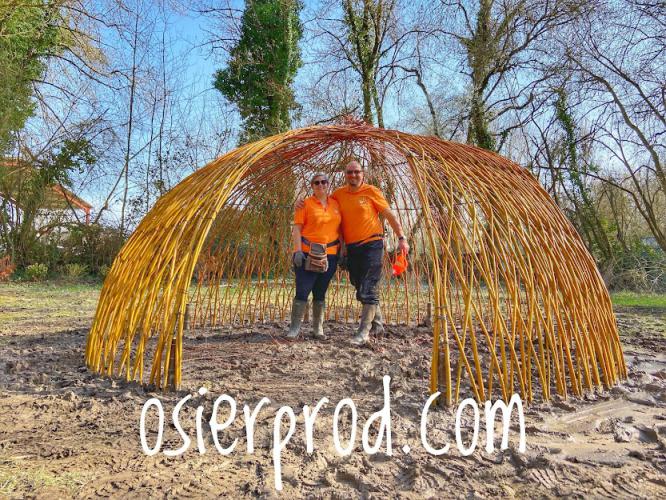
<point x="36" y="272"/>
<point x="641" y="269"/>
<point x="104" y="270"/>
<point x="44" y="251"/>
<point x="75" y="271"/>
<point x="93" y="246"/>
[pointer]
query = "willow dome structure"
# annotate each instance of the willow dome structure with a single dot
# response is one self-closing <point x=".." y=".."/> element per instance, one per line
<point x="513" y="298"/>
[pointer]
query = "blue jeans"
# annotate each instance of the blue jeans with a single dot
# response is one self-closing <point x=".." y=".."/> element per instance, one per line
<point x="365" y="270"/>
<point x="317" y="283"/>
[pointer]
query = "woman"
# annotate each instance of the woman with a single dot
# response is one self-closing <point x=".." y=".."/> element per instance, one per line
<point x="316" y="225"/>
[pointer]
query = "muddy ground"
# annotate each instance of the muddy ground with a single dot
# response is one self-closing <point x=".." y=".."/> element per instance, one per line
<point x="67" y="432"/>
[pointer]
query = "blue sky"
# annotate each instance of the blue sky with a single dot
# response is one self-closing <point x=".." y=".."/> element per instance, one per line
<point x="192" y="62"/>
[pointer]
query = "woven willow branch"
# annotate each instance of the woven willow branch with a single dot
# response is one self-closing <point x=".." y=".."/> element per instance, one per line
<point x="511" y="292"/>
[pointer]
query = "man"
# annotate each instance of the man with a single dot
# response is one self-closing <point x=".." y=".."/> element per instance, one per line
<point x="361" y="205"/>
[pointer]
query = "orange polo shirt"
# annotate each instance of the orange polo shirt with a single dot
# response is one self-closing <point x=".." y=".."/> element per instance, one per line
<point x="360" y="213"/>
<point x="320" y="225"/>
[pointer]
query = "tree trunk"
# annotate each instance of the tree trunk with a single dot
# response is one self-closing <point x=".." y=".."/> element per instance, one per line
<point x="130" y="123"/>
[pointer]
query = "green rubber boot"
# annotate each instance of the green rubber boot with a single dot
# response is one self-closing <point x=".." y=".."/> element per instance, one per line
<point x="363" y="333"/>
<point x="318" y="309"/>
<point x="297" y="313"/>
<point x="377" y="329"/>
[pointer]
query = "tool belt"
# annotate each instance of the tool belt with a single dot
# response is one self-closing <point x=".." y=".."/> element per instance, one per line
<point x="317" y="260"/>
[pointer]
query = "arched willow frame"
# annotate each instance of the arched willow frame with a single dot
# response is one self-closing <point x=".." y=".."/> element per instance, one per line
<point x="510" y="291"/>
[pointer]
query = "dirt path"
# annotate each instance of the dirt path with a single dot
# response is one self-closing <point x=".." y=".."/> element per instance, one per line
<point x="65" y="431"/>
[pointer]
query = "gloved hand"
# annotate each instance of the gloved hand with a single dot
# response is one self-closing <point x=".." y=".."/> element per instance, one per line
<point x="298" y="259"/>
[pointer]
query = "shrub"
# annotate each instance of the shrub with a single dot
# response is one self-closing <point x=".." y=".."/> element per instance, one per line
<point x="642" y="268"/>
<point x="44" y="250"/>
<point x="104" y="270"/>
<point x="93" y="246"/>
<point x="75" y="271"/>
<point x="36" y="272"/>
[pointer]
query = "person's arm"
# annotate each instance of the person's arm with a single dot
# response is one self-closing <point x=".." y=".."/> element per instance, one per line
<point x="393" y="221"/>
<point x="298" y="257"/>
<point x="296" y="236"/>
<point x="343" y="247"/>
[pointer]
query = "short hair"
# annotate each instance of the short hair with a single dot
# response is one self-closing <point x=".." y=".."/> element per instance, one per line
<point x="354" y="161"/>
<point x="318" y="174"/>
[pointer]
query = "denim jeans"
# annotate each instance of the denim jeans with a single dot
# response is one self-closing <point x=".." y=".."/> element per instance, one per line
<point x="317" y="283"/>
<point x="365" y="270"/>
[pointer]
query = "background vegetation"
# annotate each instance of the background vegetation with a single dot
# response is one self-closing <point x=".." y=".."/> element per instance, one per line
<point x="119" y="99"/>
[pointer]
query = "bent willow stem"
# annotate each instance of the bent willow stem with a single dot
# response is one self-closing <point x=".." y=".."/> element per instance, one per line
<point x="513" y="299"/>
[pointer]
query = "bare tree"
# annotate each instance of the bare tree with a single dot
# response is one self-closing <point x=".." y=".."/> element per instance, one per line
<point x="618" y="57"/>
<point x="362" y="42"/>
<point x="504" y="46"/>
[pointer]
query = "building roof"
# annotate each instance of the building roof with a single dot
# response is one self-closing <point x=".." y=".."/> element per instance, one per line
<point x="57" y="197"/>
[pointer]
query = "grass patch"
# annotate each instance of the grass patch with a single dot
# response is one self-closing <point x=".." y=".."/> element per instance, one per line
<point x="16" y="475"/>
<point x="24" y="304"/>
<point x="633" y="299"/>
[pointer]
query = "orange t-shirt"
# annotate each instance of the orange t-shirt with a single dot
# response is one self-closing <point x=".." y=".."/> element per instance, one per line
<point x="320" y="225"/>
<point x="360" y="213"/>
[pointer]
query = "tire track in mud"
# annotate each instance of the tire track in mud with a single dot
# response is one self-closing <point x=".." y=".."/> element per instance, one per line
<point x="58" y="416"/>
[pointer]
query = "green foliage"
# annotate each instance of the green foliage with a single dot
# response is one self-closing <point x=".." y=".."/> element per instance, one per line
<point x="74" y="154"/>
<point x="104" y="270"/>
<point x="262" y="67"/>
<point x="364" y="35"/>
<point x="45" y="250"/>
<point x="595" y="229"/>
<point x="28" y="187"/>
<point x="79" y="251"/>
<point x="29" y="33"/>
<point x="75" y="270"/>
<point x="569" y="155"/>
<point x="479" y="130"/>
<point x="94" y="246"/>
<point x="36" y="272"/>
<point x="601" y="214"/>
<point x="640" y="268"/>
<point x="482" y="53"/>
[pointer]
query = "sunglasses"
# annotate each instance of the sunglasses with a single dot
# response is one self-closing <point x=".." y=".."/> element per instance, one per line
<point x="323" y="182"/>
<point x="354" y="172"/>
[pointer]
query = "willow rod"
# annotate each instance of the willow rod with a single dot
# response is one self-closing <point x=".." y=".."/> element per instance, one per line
<point x="517" y="302"/>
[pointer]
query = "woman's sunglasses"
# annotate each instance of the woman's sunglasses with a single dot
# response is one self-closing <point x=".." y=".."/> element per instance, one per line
<point x="323" y="182"/>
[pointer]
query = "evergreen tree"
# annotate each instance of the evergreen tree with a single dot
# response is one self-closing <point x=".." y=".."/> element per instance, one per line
<point x="262" y="67"/>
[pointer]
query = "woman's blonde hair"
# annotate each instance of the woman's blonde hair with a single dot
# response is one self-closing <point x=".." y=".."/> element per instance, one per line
<point x="319" y="174"/>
